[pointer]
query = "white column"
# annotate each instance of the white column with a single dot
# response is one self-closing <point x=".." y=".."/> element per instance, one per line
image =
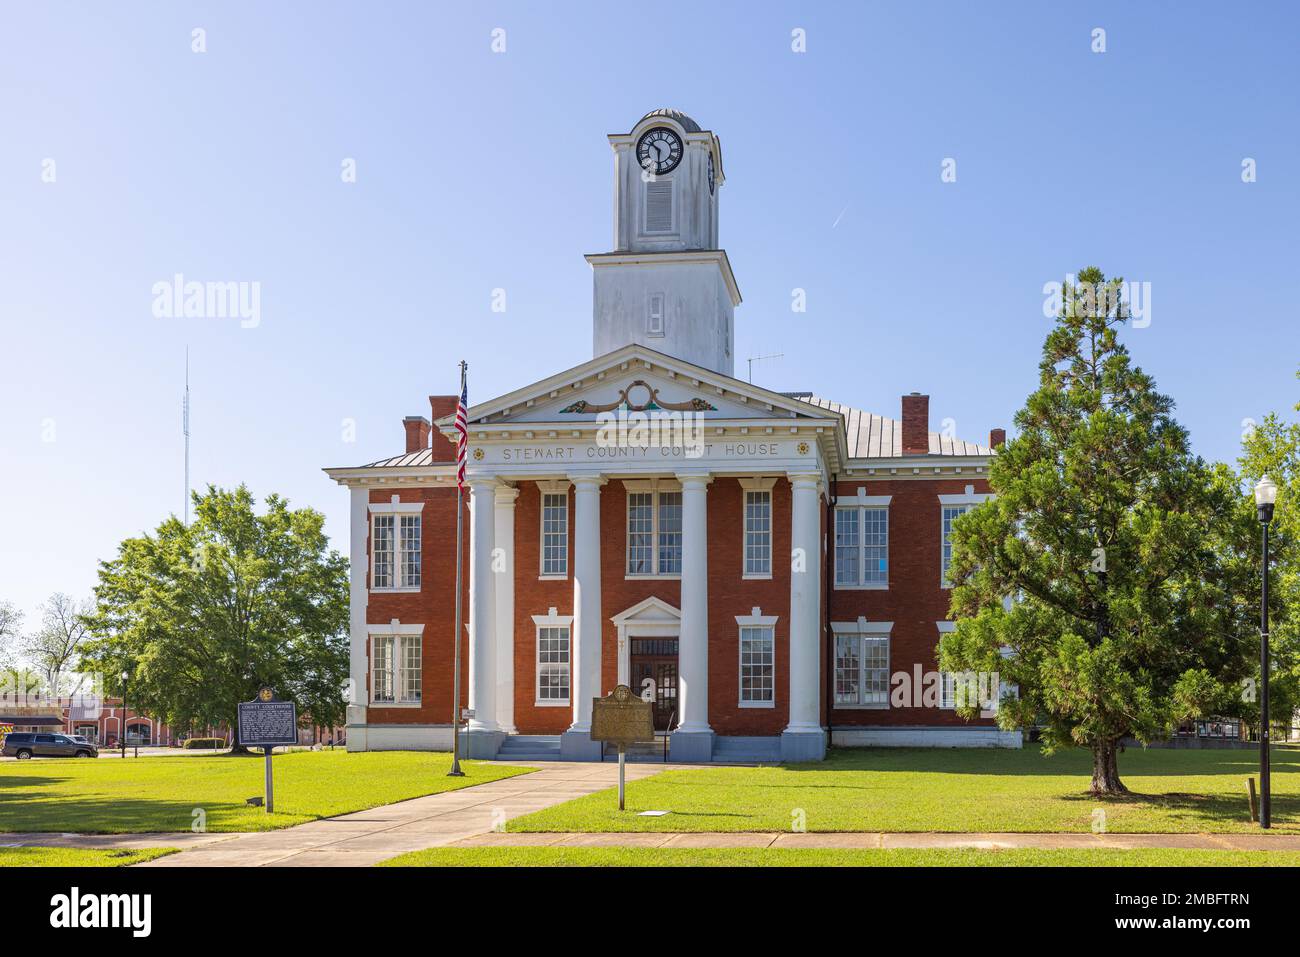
<point x="358" y="661"/>
<point x="585" y="638"/>
<point x="693" y="645"/>
<point x="482" y="606"/>
<point x="504" y="530"/>
<point x="805" y="604"/>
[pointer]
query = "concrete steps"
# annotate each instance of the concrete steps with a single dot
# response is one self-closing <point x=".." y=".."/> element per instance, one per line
<point x="530" y="747"/>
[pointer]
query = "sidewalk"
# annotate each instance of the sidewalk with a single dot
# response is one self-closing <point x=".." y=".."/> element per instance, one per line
<point x="367" y="837"/>
<point x="867" y="840"/>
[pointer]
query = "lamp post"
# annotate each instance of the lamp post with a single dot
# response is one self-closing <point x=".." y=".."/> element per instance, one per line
<point x="1265" y="497"/>
<point x="126" y="676"/>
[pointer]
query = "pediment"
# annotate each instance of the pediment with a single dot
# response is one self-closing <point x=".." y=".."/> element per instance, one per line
<point x="649" y="611"/>
<point x="637" y="379"/>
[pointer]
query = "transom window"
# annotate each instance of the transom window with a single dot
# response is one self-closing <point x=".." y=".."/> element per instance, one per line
<point x="654" y="533"/>
<point x="555" y="534"/>
<point x="758" y="534"/>
<point x="553" y="664"/>
<point x="862" y="665"/>
<point x="950" y="513"/>
<point x="396" y="669"/>
<point x="395" y="547"/>
<point x="862" y="546"/>
<point x="757" y="665"/>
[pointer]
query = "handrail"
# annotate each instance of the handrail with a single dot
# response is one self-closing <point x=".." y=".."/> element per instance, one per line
<point x="668" y="734"/>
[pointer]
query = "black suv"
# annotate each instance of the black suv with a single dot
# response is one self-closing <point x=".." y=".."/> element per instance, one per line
<point x="27" y="744"/>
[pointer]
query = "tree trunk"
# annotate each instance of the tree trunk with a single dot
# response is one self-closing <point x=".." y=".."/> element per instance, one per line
<point x="235" y="746"/>
<point x="1105" y="769"/>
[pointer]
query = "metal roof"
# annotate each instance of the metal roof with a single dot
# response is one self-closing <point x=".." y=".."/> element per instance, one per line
<point x="688" y="124"/>
<point x="873" y="436"/>
<point x="409" y="460"/>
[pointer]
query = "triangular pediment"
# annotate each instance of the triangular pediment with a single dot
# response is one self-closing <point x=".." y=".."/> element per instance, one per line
<point x="649" y="611"/>
<point x="638" y="379"/>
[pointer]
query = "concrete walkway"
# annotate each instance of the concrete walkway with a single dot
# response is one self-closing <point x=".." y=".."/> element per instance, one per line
<point x="367" y="837"/>
<point x="876" y="840"/>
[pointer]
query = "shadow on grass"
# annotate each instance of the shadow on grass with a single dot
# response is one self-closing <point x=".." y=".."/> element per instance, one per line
<point x="24" y="807"/>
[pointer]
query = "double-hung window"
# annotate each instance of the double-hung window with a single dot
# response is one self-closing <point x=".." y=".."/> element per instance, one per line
<point x="553" y="655"/>
<point x="758" y="527"/>
<point x="950" y="507"/>
<point x="555" y="534"/>
<point x="862" y="542"/>
<point x="396" y="665"/>
<point x="395" y="545"/>
<point x="654" y="532"/>
<point x="862" y="663"/>
<point x="757" y="659"/>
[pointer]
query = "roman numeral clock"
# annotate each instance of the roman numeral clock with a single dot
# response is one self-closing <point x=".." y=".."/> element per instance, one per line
<point x="659" y="150"/>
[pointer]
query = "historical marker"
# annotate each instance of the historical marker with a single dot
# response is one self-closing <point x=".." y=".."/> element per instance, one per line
<point x="622" y="718"/>
<point x="266" y="722"/>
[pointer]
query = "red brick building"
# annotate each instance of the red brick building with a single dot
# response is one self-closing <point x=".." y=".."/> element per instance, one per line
<point x="768" y="568"/>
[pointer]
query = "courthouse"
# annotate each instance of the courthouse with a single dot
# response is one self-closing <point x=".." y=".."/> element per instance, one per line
<point x="768" y="568"/>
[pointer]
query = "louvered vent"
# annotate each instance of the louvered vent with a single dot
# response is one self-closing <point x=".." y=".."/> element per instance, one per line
<point x="659" y="206"/>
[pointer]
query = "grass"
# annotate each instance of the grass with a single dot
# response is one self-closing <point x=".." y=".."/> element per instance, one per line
<point x="818" y="857"/>
<point x="165" y="793"/>
<point x="891" y="789"/>
<point x="78" y="857"/>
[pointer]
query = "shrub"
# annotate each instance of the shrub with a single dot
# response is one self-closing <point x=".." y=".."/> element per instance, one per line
<point x="191" y="743"/>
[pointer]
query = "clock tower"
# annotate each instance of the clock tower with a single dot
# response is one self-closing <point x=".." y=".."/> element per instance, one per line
<point x="667" y="284"/>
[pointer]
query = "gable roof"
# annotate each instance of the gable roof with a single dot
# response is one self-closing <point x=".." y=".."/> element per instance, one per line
<point x="872" y="436"/>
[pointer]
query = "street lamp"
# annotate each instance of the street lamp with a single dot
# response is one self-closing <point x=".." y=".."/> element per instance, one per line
<point x="126" y="675"/>
<point x="1265" y="497"/>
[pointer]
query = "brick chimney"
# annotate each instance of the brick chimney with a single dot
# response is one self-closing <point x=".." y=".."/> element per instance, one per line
<point x="916" y="424"/>
<point x="441" y="406"/>
<point x="417" y="433"/>
<point x="997" y="438"/>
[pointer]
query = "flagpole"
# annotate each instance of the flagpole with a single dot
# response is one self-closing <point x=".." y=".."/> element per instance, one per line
<point x="455" y="771"/>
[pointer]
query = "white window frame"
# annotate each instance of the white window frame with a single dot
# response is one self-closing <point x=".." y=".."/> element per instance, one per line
<point x="861" y="630"/>
<point x="544" y="489"/>
<point x="755" y="619"/>
<point x="756" y="486"/>
<point x="948" y="687"/>
<point x="969" y="499"/>
<point x="397" y="509"/>
<point x="653" y="488"/>
<point x="655" y="320"/>
<point x="860" y="503"/>
<point x="396" y="632"/>
<point x="552" y="619"/>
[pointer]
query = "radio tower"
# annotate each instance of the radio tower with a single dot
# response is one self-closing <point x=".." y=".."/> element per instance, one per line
<point x="185" y="427"/>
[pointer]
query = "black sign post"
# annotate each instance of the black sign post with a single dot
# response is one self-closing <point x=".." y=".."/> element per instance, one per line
<point x="264" y="723"/>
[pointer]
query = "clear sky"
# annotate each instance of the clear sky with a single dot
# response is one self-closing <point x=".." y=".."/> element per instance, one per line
<point x="478" y="170"/>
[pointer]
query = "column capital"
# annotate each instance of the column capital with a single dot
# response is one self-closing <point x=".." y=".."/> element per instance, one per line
<point x="805" y="479"/>
<point x="694" y="479"/>
<point x="506" y="495"/>
<point x="483" y="483"/>
<point x="587" y="479"/>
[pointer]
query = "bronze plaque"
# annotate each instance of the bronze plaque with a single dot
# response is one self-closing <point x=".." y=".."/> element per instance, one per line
<point x="622" y="718"/>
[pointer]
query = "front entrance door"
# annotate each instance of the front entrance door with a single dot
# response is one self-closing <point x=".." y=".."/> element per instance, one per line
<point x="653" y="667"/>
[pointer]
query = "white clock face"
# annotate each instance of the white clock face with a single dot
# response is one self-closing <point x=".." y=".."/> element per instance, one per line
<point x="659" y="150"/>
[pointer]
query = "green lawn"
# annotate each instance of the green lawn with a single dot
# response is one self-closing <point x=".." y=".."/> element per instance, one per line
<point x="116" y="796"/>
<point x="817" y="857"/>
<point x="892" y="789"/>
<point x="77" y="857"/>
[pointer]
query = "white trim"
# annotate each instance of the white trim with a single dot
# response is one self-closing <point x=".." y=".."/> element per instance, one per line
<point x="756" y="486"/>
<point x="396" y="631"/>
<point x="755" y="619"/>
<point x="969" y="497"/>
<point x="395" y="507"/>
<point x="552" y="619"/>
<point x="649" y="618"/>
<point x="862" y="629"/>
<point x="556" y="488"/>
<point x="395" y="627"/>
<point x="860" y="503"/>
<point x="652" y="487"/>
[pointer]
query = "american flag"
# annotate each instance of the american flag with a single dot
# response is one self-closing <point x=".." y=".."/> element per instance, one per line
<point x="462" y="433"/>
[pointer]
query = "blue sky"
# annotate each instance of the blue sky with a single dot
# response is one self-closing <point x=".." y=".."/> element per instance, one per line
<point x="479" y="170"/>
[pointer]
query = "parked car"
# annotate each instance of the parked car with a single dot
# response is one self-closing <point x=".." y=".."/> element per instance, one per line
<point x="29" y="744"/>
